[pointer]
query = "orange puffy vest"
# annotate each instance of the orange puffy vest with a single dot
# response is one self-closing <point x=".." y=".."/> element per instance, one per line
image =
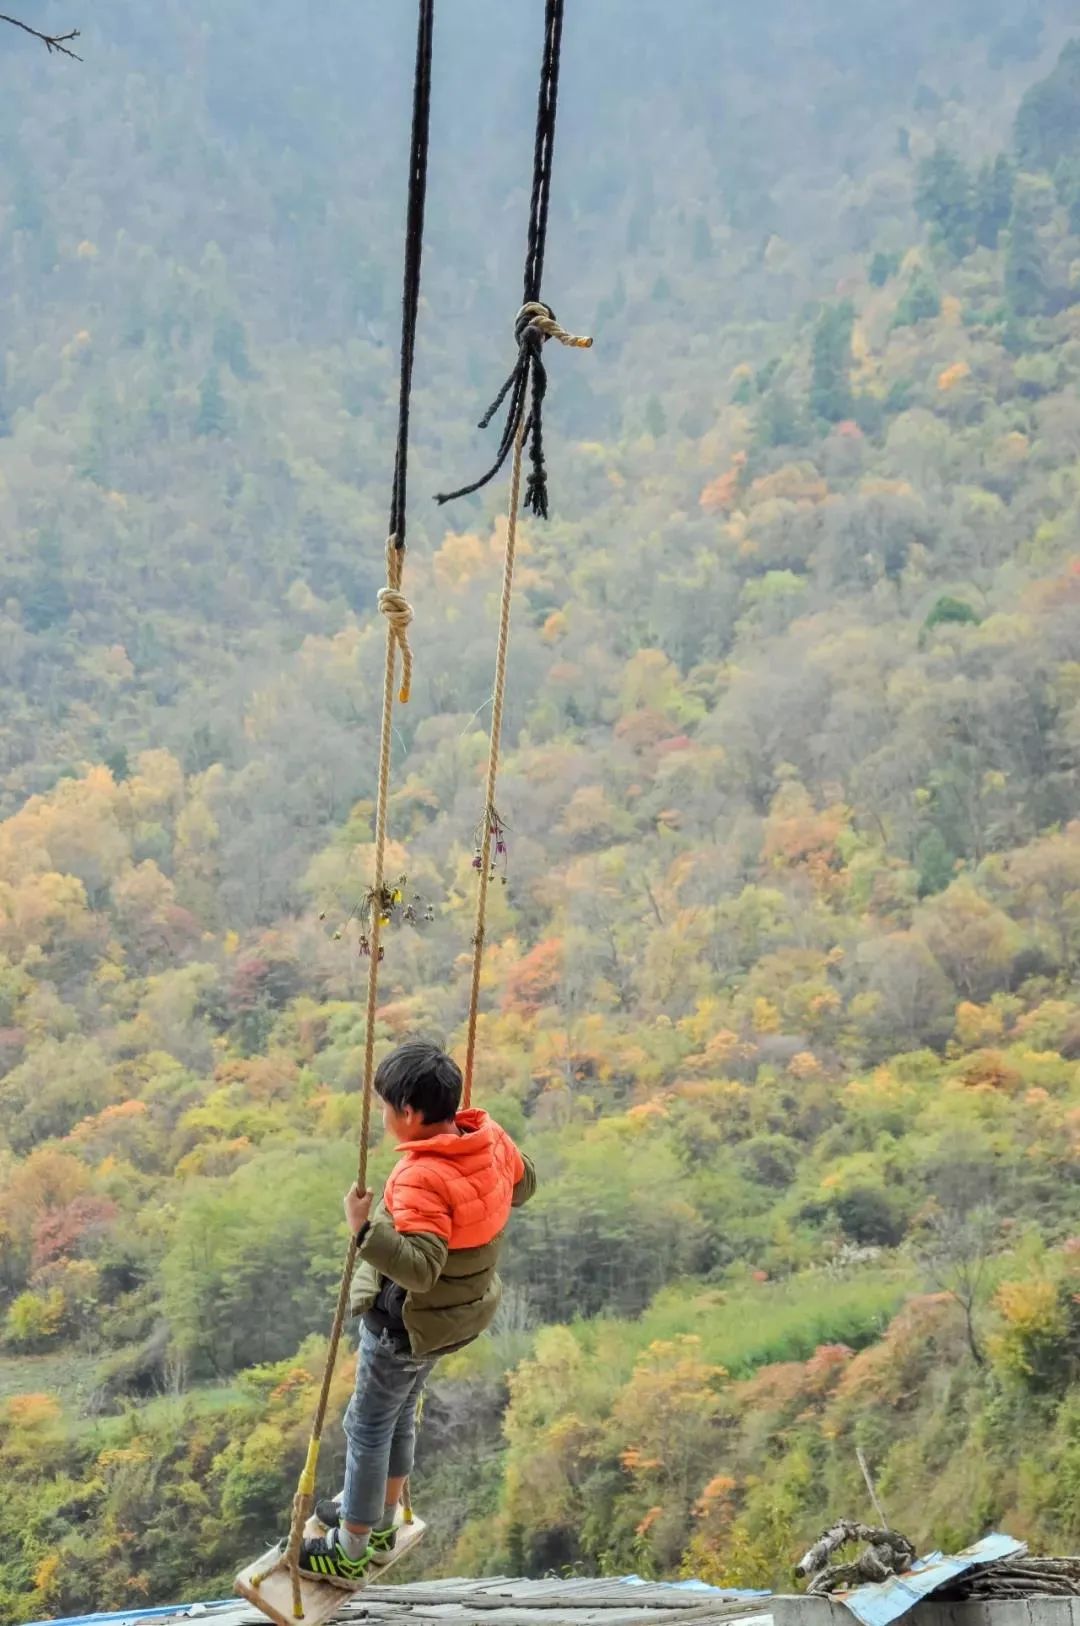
<point x="458" y="1187"/>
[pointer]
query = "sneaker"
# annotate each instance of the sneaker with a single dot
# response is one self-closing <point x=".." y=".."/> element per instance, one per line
<point x="328" y="1511"/>
<point x="383" y="1543"/>
<point x="323" y="1558"/>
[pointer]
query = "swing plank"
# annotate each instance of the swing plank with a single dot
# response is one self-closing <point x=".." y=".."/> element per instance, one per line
<point x="272" y="1594"/>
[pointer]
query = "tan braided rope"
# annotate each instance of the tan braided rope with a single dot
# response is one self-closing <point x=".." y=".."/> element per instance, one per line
<point x="494" y="739"/>
<point x="540" y="317"/>
<point x="398" y="613"/>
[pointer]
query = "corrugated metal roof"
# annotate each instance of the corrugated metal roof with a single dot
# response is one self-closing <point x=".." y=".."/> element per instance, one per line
<point x="881" y="1602"/>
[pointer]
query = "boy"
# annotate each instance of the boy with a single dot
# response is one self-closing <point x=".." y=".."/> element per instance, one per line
<point x="426" y="1285"/>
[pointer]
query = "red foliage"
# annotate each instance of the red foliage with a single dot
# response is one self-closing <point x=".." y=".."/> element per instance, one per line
<point x="644" y="730"/>
<point x="61" y="1233"/>
<point x="720" y="494"/>
<point x="533" y="981"/>
<point x="259" y="980"/>
<point x="790" y="1387"/>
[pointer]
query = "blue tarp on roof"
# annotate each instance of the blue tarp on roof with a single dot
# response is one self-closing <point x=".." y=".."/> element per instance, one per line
<point x="121" y="1617"/>
<point x="697" y="1586"/>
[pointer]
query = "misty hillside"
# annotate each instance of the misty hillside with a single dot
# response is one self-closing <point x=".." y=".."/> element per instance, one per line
<point x="781" y="988"/>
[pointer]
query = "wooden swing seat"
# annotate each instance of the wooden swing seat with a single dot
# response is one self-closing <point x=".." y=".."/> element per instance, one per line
<point x="271" y="1593"/>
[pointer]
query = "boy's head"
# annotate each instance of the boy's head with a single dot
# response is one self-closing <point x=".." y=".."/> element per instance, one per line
<point x="420" y="1089"/>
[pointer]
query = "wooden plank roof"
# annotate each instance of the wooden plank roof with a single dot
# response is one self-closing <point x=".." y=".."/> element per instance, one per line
<point x="504" y="1601"/>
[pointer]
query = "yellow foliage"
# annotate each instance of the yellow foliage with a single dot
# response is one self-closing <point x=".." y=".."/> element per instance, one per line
<point x="27" y="1413"/>
<point x="952" y="311"/>
<point x="653" y="1108"/>
<point x="461" y="558"/>
<point x="651" y="681"/>
<point x="43" y="909"/>
<point x="766" y="1017"/>
<point x="1030" y="1306"/>
<point x="45" y="1575"/>
<point x="122" y="1455"/>
<point x="156" y="787"/>
<point x="977" y="1025"/>
<point x="72" y="830"/>
<point x="1033" y="1339"/>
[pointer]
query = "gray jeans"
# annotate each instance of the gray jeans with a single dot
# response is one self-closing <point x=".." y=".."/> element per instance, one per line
<point x="380" y="1424"/>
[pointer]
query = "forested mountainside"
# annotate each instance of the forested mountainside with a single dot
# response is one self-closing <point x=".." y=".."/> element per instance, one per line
<point x="781" y="990"/>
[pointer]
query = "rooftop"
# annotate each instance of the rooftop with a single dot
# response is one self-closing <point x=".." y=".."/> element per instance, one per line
<point x="493" y="1601"/>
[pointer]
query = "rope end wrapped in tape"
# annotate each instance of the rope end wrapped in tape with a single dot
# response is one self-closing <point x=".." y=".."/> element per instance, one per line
<point x="306" y="1483"/>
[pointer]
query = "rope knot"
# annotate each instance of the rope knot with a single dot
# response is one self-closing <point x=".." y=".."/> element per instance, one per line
<point x="538" y="318"/>
<point x="526" y="386"/>
<point x="399" y="613"/>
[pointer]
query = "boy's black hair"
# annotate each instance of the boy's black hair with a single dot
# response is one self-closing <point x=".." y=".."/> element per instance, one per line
<point x="422" y="1076"/>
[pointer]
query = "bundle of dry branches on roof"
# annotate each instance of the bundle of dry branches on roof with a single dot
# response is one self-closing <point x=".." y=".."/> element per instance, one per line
<point x="1019" y="1578"/>
<point x="886" y="1553"/>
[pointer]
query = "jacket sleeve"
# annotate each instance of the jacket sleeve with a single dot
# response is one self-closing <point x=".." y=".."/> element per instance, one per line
<point x="414" y="1260"/>
<point x="525" y="1185"/>
<point x="365" y="1288"/>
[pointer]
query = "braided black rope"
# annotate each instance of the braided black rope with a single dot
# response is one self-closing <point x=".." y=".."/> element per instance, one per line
<point x="527" y="384"/>
<point x="414" y="247"/>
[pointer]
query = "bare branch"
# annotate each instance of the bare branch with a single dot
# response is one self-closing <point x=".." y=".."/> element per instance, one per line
<point x="887" y="1553"/>
<point x="52" y="42"/>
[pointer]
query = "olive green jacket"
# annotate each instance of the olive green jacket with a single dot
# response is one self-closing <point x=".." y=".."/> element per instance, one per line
<point x="451" y="1295"/>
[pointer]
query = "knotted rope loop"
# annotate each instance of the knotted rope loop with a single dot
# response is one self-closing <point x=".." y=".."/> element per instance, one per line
<point x="541" y="318"/>
<point x="399" y="614"/>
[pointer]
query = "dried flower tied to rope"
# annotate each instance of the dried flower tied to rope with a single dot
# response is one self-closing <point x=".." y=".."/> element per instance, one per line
<point x="886" y="1553"/>
<point x="498" y="850"/>
<point x="393" y="902"/>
